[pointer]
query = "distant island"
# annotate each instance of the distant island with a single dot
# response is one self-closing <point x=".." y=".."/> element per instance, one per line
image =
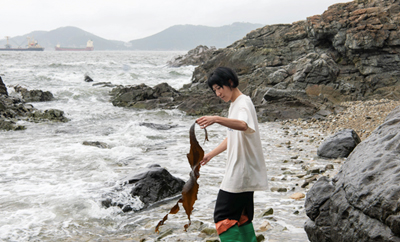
<point x="178" y="37"/>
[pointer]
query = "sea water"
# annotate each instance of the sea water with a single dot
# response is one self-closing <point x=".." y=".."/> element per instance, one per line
<point x="51" y="185"/>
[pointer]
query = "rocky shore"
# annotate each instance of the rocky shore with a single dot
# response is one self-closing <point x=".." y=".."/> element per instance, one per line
<point x="361" y="116"/>
<point x="308" y="69"/>
<point x="14" y="109"/>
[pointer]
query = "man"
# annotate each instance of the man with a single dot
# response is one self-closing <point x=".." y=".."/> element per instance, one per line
<point x="245" y="167"/>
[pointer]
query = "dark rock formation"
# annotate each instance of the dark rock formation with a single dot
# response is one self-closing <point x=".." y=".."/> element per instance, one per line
<point x="3" y="88"/>
<point x="143" y="96"/>
<point x="34" y="95"/>
<point x="350" y="52"/>
<point x="339" y="145"/>
<point x="49" y="115"/>
<point x="305" y="69"/>
<point x="13" y="109"/>
<point x="361" y="203"/>
<point x="151" y="185"/>
<point x="195" y="57"/>
<point x="97" y="144"/>
<point x="155" y="184"/>
<point x="87" y="78"/>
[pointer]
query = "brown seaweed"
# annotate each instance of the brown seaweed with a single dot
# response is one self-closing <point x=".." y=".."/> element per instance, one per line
<point x="191" y="187"/>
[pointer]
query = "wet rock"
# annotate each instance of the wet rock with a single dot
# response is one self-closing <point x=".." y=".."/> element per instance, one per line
<point x="269" y="211"/>
<point x="104" y="84"/>
<point x="34" y="95"/>
<point x="48" y="115"/>
<point x="3" y="88"/>
<point x="260" y="237"/>
<point x="143" y="96"/>
<point x="155" y="184"/>
<point x="309" y="180"/>
<point x="88" y="79"/>
<point x="194" y="57"/>
<point x="339" y="145"/>
<point x="152" y="184"/>
<point x="97" y="144"/>
<point x="361" y="202"/>
<point x="157" y="126"/>
<point x="13" y="109"/>
<point x="10" y="125"/>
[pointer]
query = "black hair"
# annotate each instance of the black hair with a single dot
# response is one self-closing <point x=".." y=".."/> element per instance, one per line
<point x="221" y="77"/>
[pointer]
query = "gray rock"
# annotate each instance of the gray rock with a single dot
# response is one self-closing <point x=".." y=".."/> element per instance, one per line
<point x="88" y="78"/>
<point x="3" y="88"/>
<point x="151" y="185"/>
<point x="339" y="145"/>
<point x="34" y="95"/>
<point x="143" y="96"/>
<point x="361" y="202"/>
<point x="97" y="144"/>
<point x="13" y="109"/>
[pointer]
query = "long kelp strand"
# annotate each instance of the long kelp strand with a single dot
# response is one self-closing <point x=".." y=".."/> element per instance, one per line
<point x="191" y="187"/>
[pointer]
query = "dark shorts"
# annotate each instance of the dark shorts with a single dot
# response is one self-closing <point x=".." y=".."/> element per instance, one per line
<point x="232" y="205"/>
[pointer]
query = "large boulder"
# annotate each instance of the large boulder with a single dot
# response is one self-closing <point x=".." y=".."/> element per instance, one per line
<point x="361" y="203"/>
<point x="339" y="145"/>
<point x="149" y="186"/>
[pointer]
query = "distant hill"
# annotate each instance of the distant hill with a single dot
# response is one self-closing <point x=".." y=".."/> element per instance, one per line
<point x="66" y="36"/>
<point x="178" y="37"/>
<point x="187" y="37"/>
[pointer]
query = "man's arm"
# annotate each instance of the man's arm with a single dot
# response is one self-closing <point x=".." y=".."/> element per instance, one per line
<point x="235" y="124"/>
<point x="216" y="151"/>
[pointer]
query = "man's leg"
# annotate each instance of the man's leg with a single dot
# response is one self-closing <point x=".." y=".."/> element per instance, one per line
<point x="229" y="209"/>
<point x="247" y="232"/>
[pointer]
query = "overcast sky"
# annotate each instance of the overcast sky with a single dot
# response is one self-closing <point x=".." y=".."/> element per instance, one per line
<point x="132" y="19"/>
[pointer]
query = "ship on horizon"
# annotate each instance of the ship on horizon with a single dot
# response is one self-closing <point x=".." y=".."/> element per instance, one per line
<point x="32" y="46"/>
<point x="89" y="47"/>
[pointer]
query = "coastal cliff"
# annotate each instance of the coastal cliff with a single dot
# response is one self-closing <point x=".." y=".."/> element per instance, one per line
<point x="348" y="53"/>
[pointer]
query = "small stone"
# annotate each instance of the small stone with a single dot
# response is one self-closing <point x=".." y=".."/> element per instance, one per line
<point x="260" y="238"/>
<point x="315" y="171"/>
<point x="216" y="239"/>
<point x="265" y="226"/>
<point x="282" y="189"/>
<point x="329" y="167"/>
<point x="209" y="231"/>
<point x="297" y="195"/>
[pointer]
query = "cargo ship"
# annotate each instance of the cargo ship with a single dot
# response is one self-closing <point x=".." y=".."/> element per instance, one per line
<point x="89" y="47"/>
<point x="32" y="46"/>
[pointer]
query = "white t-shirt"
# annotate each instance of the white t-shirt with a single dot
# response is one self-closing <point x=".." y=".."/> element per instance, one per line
<point x="245" y="167"/>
